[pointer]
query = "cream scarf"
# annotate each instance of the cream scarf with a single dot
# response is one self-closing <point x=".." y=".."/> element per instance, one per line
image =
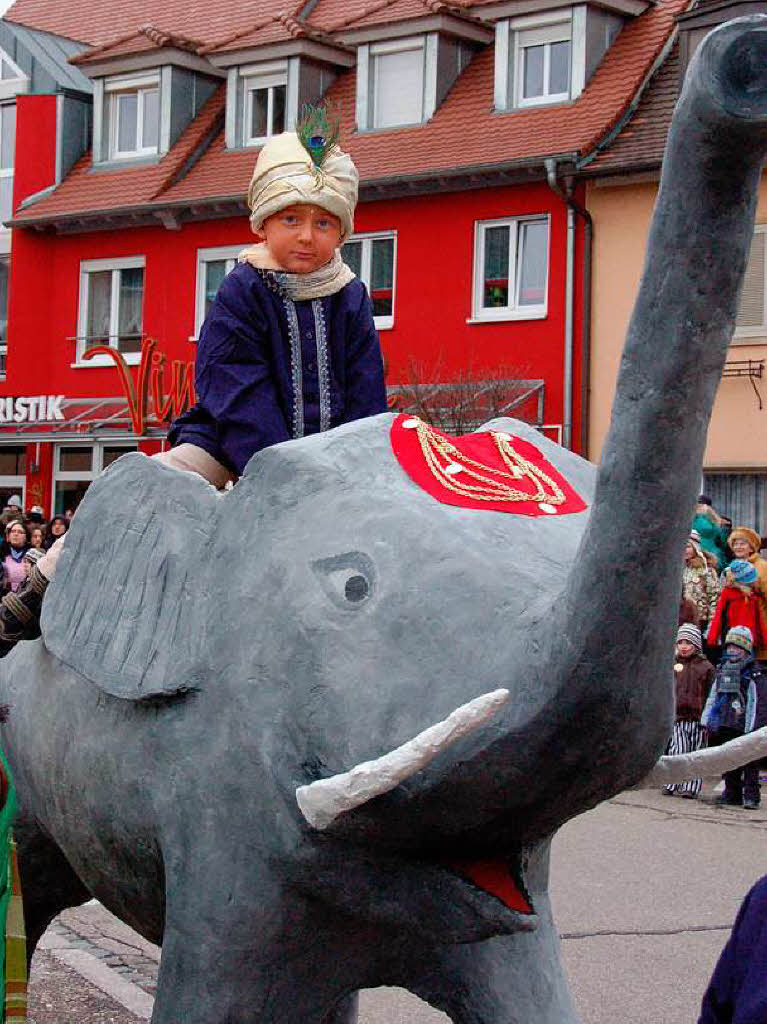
<point x="328" y="280"/>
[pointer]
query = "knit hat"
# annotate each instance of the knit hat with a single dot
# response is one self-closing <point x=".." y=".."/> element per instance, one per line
<point x="744" y="533"/>
<point x="687" y="631"/>
<point x="15" y="499"/>
<point x="33" y="555"/>
<point x="285" y="174"/>
<point x="740" y="636"/>
<point x="742" y="572"/>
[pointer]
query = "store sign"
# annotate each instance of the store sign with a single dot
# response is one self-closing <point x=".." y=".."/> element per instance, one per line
<point x="150" y="383"/>
<point x="31" y="409"/>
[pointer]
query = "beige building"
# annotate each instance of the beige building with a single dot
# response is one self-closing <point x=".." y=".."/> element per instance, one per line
<point x="621" y="191"/>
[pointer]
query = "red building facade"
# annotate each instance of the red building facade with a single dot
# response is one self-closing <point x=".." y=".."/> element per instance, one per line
<point x="476" y="272"/>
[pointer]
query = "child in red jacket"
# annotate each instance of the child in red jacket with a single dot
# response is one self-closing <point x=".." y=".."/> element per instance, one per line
<point x="739" y="604"/>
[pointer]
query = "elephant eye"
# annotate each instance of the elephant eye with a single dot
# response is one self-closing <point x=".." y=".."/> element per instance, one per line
<point x="348" y="579"/>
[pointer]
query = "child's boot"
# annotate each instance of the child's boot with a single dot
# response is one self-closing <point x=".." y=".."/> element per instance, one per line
<point x="20" y="612"/>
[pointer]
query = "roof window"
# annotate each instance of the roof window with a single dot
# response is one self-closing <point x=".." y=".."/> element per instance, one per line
<point x="134" y="117"/>
<point x="264" y="102"/>
<point x="549" y="56"/>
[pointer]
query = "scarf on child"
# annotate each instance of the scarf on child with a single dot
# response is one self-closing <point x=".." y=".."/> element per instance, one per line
<point x="328" y="280"/>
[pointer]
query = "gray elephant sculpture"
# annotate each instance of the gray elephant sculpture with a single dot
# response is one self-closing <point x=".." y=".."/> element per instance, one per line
<point x="205" y="656"/>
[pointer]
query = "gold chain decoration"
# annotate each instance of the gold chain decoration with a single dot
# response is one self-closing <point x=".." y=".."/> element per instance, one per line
<point x="447" y="462"/>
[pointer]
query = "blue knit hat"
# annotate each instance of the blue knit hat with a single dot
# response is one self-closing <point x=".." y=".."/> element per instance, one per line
<point x="741" y="637"/>
<point x="742" y="572"/>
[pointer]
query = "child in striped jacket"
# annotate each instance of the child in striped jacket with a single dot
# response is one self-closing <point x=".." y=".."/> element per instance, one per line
<point x="693" y="675"/>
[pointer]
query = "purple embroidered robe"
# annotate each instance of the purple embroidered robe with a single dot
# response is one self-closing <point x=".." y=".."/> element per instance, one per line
<point x="269" y="369"/>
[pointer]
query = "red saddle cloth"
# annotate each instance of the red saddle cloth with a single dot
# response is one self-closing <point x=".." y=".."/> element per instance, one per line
<point x="471" y="471"/>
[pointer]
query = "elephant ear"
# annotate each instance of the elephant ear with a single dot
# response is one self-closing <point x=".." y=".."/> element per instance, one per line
<point x="125" y="606"/>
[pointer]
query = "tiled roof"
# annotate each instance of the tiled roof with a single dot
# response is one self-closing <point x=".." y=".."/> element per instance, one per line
<point x="641" y="140"/>
<point x="85" y="192"/>
<point x="464" y="134"/>
<point x="275" y="29"/>
<point x="334" y="16"/>
<point x="93" y="21"/>
<point x="146" y="38"/>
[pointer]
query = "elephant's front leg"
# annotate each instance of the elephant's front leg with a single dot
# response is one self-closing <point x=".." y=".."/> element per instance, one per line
<point x="239" y="948"/>
<point x="201" y="982"/>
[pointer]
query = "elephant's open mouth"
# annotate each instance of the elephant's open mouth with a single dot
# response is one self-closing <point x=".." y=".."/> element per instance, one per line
<point x="497" y="877"/>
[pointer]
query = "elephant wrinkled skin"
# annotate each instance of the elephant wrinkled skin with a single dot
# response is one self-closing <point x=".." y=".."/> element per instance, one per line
<point x="203" y="657"/>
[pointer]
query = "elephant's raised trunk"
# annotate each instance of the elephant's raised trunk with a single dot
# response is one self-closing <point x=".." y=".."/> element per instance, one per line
<point x="622" y="598"/>
<point x="592" y="687"/>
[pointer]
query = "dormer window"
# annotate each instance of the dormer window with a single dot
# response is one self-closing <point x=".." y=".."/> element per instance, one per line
<point x="549" y="56"/>
<point x="134" y="117"/>
<point x="265" y="101"/>
<point x="397" y="79"/>
<point x="543" y="59"/>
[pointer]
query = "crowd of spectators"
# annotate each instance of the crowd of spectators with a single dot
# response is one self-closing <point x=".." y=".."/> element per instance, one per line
<point x="26" y="536"/>
<point x="720" y="669"/>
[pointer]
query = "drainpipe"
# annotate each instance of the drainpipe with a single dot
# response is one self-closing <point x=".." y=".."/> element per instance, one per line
<point x="574" y="209"/>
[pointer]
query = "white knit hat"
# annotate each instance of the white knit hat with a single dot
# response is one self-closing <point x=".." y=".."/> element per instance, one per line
<point x="286" y="174"/>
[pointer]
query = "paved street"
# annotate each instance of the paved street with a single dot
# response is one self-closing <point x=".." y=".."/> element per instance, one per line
<point x="645" y="890"/>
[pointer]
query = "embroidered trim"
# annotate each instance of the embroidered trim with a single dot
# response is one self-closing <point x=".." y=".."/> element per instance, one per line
<point x="323" y="363"/>
<point x="295" y="368"/>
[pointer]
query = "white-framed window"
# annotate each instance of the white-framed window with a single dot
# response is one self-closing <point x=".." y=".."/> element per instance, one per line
<point x="5" y="267"/>
<point x="397" y="82"/>
<point x="76" y="465"/>
<point x="373" y="258"/>
<point x="543" y="58"/>
<point x="13" y="470"/>
<point x="751" y="321"/>
<point x="511" y="263"/>
<point x="134" y="116"/>
<point x="264" y="102"/>
<point x="212" y="267"/>
<point x="7" y="158"/>
<point x="111" y="308"/>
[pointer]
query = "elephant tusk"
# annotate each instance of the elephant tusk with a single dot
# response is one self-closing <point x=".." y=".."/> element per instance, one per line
<point x="709" y="762"/>
<point x="321" y="802"/>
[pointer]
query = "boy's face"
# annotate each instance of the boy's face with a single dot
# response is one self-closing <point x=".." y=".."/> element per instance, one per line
<point x="735" y="651"/>
<point x="302" y="238"/>
<point x="684" y="648"/>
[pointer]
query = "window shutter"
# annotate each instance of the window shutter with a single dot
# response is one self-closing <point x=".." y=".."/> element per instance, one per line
<point x="751" y="311"/>
<point x="399" y="88"/>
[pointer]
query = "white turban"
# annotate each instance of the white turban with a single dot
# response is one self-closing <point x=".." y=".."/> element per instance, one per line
<point x="286" y="174"/>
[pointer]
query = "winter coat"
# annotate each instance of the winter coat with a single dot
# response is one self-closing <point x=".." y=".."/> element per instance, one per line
<point x="761" y="567"/>
<point x="737" y="992"/>
<point x="699" y="584"/>
<point x="737" y="606"/>
<point x="713" y="535"/>
<point x="728" y="702"/>
<point x="269" y="368"/>
<point x="692" y="679"/>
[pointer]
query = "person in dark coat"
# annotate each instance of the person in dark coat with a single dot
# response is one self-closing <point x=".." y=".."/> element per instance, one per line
<point x="289" y="347"/>
<point x="693" y="675"/>
<point x="731" y="710"/>
<point x="57" y="527"/>
<point x="737" y="992"/>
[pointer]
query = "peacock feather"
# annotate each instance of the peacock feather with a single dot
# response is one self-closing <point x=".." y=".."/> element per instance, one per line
<point x="318" y="132"/>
